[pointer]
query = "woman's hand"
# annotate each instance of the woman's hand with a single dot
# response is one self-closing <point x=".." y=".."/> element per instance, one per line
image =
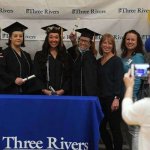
<point x="19" y="81"/>
<point x="115" y="104"/>
<point x="46" y="92"/>
<point x="129" y="84"/>
<point x="73" y="38"/>
<point x="128" y="80"/>
<point x="60" y="92"/>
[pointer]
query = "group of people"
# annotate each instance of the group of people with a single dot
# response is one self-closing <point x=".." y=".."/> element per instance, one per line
<point x="75" y="71"/>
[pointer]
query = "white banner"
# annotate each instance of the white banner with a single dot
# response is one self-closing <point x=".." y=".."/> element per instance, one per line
<point x="115" y="17"/>
<point x="72" y="9"/>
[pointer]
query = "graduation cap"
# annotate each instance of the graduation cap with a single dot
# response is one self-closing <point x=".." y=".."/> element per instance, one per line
<point x="87" y="33"/>
<point x="15" y="27"/>
<point x="54" y="28"/>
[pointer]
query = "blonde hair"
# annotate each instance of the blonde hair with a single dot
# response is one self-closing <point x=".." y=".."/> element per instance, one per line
<point x="111" y="39"/>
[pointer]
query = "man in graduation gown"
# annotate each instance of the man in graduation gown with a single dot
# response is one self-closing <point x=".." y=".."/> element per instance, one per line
<point x="84" y="72"/>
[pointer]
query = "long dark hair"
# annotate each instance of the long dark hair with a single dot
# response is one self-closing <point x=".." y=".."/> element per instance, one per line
<point x="138" y="48"/>
<point x="61" y="49"/>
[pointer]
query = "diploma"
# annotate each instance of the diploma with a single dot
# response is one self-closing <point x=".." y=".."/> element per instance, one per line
<point x="29" y="77"/>
<point x="76" y="26"/>
<point x="52" y="89"/>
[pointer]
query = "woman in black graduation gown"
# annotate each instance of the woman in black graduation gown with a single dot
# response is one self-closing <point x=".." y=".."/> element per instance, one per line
<point x="52" y="64"/>
<point x="84" y="72"/>
<point x="15" y="63"/>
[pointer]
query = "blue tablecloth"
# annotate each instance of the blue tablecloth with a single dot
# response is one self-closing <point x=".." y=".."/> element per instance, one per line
<point x="49" y="122"/>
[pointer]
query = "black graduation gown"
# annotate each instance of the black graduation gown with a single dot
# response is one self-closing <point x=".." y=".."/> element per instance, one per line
<point x="84" y="73"/>
<point x="13" y="66"/>
<point x="2" y="85"/>
<point x="59" y="73"/>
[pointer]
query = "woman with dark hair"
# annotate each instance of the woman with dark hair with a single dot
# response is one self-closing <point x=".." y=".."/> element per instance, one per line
<point x="16" y="64"/>
<point x="52" y="64"/>
<point x="132" y="53"/>
<point x="110" y="69"/>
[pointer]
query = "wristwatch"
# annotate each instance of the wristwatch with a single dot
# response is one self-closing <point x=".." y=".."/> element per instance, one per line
<point x="116" y="97"/>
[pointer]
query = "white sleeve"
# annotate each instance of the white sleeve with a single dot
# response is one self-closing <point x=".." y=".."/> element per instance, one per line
<point x="132" y="112"/>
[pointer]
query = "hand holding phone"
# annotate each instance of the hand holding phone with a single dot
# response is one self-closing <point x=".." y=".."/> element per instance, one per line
<point x="140" y="70"/>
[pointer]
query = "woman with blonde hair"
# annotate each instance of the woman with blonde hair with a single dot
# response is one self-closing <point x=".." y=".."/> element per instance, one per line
<point x="110" y="69"/>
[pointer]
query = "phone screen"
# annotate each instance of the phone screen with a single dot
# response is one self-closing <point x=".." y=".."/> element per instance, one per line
<point x="140" y="70"/>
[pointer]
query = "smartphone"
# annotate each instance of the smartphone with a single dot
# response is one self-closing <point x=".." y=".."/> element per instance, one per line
<point x="140" y="70"/>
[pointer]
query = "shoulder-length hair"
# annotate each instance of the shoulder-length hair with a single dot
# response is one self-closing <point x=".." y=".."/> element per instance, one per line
<point x="138" y="48"/>
<point x="111" y="39"/>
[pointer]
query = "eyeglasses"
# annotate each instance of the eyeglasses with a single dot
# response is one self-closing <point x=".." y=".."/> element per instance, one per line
<point x="84" y="41"/>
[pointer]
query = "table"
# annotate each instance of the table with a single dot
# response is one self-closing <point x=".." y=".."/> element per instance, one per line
<point x="49" y="122"/>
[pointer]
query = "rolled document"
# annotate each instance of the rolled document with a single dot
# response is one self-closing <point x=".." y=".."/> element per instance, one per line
<point x="29" y="77"/>
<point x="52" y="89"/>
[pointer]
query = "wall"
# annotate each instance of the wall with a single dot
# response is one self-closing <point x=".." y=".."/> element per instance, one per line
<point x="111" y="16"/>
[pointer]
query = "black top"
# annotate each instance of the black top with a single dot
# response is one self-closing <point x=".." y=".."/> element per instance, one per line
<point x="111" y="77"/>
<point x="84" y="73"/>
<point x="12" y="66"/>
<point x="59" y="71"/>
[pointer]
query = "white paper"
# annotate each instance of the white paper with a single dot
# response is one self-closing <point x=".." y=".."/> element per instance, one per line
<point x="28" y="78"/>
